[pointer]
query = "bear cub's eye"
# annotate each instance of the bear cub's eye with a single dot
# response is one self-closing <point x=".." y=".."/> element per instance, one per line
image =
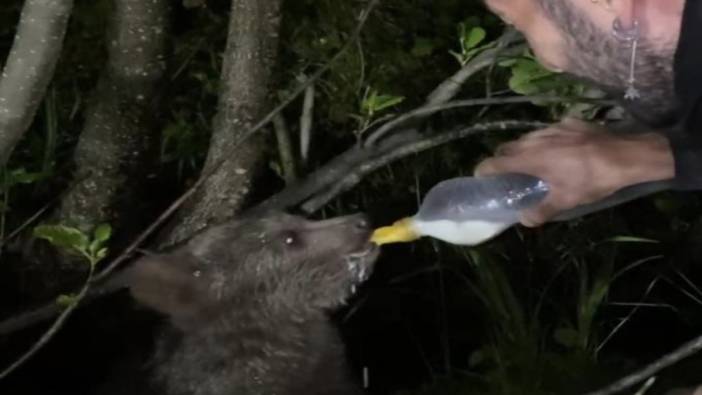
<point x="290" y="239"/>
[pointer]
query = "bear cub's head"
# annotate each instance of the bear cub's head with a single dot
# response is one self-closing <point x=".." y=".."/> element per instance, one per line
<point x="274" y="262"/>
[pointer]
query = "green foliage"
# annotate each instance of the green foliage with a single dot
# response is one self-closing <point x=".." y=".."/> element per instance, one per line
<point x="20" y="176"/>
<point x="403" y="52"/>
<point x="470" y="35"/>
<point x="523" y="354"/>
<point x="528" y="77"/>
<point x="73" y="241"/>
<point x="183" y="144"/>
<point x="374" y="103"/>
<point x="66" y="300"/>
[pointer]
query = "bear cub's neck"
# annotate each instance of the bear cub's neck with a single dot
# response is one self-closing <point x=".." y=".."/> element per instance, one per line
<point x="254" y="349"/>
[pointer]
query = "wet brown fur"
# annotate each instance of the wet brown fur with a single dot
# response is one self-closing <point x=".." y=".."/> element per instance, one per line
<point x="247" y="306"/>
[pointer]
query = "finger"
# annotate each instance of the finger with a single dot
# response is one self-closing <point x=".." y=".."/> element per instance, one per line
<point x="535" y="141"/>
<point x="507" y="149"/>
<point x="543" y="133"/>
<point x="506" y="164"/>
<point x="495" y="165"/>
<point x="485" y="167"/>
<point x="539" y="215"/>
<point x="575" y="124"/>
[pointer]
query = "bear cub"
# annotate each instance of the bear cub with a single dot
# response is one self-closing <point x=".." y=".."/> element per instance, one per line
<point x="247" y="302"/>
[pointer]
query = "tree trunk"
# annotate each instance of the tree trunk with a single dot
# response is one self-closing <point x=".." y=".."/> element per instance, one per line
<point x="247" y="71"/>
<point x="115" y="145"/>
<point x="30" y="67"/>
<point x="120" y="127"/>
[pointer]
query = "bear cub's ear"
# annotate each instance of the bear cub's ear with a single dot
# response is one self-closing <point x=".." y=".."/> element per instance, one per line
<point x="170" y="284"/>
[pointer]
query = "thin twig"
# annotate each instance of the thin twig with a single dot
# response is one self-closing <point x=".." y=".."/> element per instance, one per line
<point x="328" y="175"/>
<point x="306" y="123"/>
<point x="431" y="109"/>
<point x="39" y="212"/>
<point x="127" y="252"/>
<point x="52" y="330"/>
<point x="25" y="224"/>
<point x="302" y="87"/>
<point x="344" y="164"/>
<point x="407" y="147"/>
<point x="285" y="149"/>
<point x="449" y="87"/>
<point x="682" y="352"/>
<point x="626" y="319"/>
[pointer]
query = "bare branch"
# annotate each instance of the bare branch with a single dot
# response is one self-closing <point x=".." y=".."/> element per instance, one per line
<point x="450" y="87"/>
<point x="692" y="347"/>
<point x="405" y="148"/>
<point x="60" y="320"/>
<point x="285" y="149"/>
<point x="434" y="108"/>
<point x="319" y="179"/>
<point x="346" y="163"/>
<point x="25" y="224"/>
<point x="30" y="67"/>
<point x="306" y="123"/>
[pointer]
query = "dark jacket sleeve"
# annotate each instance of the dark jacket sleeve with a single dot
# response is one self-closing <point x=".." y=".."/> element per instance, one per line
<point x="687" y="152"/>
<point x="686" y="136"/>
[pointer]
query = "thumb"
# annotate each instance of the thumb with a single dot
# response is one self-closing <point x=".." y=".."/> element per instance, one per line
<point x="537" y="216"/>
<point x="579" y="125"/>
<point x="486" y="167"/>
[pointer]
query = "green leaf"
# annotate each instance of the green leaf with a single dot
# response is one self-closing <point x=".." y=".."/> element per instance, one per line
<point x="65" y="300"/>
<point x="20" y="176"/>
<point x="63" y="236"/>
<point x="529" y="77"/>
<point x="385" y="101"/>
<point x="93" y="247"/>
<point x="375" y="102"/>
<point x="101" y="254"/>
<point x="474" y="37"/>
<point x="507" y="62"/>
<point x="102" y="233"/>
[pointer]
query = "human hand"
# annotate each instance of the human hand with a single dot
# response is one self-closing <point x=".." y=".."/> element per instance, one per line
<point x="581" y="163"/>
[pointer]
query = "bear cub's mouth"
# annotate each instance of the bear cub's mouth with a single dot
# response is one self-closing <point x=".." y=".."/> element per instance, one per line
<point x="360" y="264"/>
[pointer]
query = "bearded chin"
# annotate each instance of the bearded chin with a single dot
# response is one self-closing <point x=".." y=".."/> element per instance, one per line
<point x="656" y="108"/>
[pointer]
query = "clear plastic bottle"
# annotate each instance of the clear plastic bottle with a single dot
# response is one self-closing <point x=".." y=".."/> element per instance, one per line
<point x="472" y="210"/>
